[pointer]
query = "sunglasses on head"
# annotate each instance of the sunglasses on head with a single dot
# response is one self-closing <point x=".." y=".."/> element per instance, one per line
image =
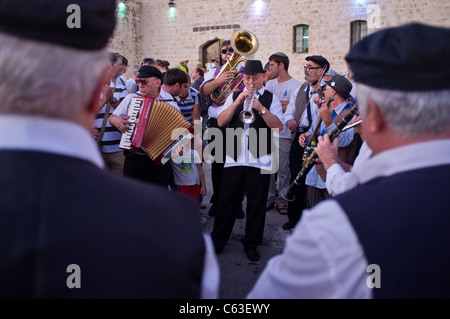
<point x="230" y="49"/>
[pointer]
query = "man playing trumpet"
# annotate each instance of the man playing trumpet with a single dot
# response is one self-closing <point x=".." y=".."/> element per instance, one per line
<point x="246" y="157"/>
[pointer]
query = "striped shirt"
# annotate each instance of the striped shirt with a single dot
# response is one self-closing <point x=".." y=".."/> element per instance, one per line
<point x="187" y="106"/>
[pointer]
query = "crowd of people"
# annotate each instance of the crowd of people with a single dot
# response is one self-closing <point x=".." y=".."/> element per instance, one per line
<point x="73" y="197"/>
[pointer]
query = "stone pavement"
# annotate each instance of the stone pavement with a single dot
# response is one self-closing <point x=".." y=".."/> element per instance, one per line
<point x="238" y="274"/>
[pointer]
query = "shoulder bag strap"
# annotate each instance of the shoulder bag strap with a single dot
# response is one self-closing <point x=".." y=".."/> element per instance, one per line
<point x="105" y="119"/>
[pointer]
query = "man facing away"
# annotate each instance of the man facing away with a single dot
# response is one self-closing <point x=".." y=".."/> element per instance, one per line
<point x="69" y="228"/>
<point x="387" y="237"/>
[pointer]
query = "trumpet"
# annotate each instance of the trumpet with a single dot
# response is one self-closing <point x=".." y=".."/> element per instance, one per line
<point x="244" y="43"/>
<point x="247" y="116"/>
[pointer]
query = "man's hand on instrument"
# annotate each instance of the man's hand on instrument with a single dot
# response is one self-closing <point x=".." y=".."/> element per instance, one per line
<point x="257" y="106"/>
<point x="318" y="101"/>
<point x="292" y="125"/>
<point x="120" y="122"/>
<point x="225" y="77"/>
<point x="357" y="128"/>
<point x="302" y="139"/>
<point x="325" y="114"/>
<point x="327" y="151"/>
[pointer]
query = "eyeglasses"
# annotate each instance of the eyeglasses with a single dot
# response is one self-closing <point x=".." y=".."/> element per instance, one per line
<point x="143" y="82"/>
<point x="230" y="49"/>
<point x="308" y="67"/>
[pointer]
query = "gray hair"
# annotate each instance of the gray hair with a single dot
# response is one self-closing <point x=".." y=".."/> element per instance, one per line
<point x="409" y="113"/>
<point x="45" y="79"/>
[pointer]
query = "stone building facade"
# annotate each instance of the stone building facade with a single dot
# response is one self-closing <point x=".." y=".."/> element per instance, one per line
<point x="181" y="29"/>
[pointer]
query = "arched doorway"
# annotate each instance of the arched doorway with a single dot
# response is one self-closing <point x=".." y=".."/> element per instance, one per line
<point x="211" y="49"/>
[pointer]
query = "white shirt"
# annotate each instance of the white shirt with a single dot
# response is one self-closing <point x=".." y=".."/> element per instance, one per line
<point x="323" y="258"/>
<point x="338" y="180"/>
<point x="246" y="158"/>
<point x="284" y="91"/>
<point x="70" y="139"/>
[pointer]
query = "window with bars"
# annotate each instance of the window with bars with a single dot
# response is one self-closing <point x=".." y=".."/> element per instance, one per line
<point x="301" y="38"/>
<point x="358" y="30"/>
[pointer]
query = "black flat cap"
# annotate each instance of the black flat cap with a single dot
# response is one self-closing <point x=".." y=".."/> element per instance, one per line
<point x="148" y="71"/>
<point x="253" y="67"/>
<point x="341" y="84"/>
<point x="50" y="21"/>
<point x="320" y="60"/>
<point x="413" y="57"/>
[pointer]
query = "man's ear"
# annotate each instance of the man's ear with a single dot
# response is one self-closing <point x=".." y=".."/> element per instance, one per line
<point x="377" y="121"/>
<point x="93" y="106"/>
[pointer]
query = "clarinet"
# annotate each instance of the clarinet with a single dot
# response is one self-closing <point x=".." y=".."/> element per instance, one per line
<point x="288" y="193"/>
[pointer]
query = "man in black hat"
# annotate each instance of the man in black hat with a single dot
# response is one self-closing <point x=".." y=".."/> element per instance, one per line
<point x="300" y="113"/>
<point x="248" y="162"/>
<point x="69" y="228"/>
<point x="335" y="105"/>
<point x="387" y="238"/>
<point x="137" y="163"/>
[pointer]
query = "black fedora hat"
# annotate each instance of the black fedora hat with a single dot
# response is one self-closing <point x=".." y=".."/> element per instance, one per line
<point x="253" y="67"/>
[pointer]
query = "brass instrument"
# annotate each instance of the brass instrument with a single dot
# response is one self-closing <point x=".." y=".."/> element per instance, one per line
<point x="244" y="43"/>
<point x="247" y="116"/>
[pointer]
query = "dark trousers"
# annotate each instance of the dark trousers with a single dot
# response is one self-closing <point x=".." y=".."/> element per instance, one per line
<point x="218" y="164"/>
<point x="237" y="180"/>
<point x="296" y="206"/>
<point x="316" y="195"/>
<point x="143" y="168"/>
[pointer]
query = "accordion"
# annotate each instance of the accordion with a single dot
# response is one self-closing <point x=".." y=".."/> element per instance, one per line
<point x="155" y="127"/>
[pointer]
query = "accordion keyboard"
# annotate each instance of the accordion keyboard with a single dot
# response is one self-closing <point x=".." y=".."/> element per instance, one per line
<point x="133" y="111"/>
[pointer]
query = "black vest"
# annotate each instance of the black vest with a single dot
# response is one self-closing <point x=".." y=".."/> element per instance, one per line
<point x="254" y="139"/>
<point x="403" y="224"/>
<point x="139" y="242"/>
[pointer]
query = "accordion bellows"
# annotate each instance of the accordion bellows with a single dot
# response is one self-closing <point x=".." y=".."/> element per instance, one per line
<point x="164" y="126"/>
<point x="158" y="126"/>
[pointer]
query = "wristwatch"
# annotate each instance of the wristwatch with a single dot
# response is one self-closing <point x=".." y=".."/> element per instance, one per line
<point x="263" y="111"/>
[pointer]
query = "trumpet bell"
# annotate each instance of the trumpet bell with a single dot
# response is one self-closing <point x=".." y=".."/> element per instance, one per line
<point x="247" y="117"/>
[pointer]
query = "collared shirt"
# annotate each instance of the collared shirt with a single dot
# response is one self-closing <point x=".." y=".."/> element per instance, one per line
<point x="289" y="114"/>
<point x="338" y="180"/>
<point x="323" y="257"/>
<point x="48" y="135"/>
<point x="245" y="157"/>
<point x="313" y="178"/>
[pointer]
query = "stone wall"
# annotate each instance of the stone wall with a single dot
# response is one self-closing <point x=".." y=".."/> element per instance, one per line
<point x="153" y="29"/>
